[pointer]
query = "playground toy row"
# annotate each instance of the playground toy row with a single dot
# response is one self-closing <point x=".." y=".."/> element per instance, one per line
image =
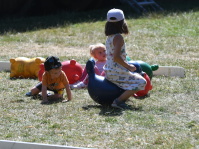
<point x="99" y="88"/>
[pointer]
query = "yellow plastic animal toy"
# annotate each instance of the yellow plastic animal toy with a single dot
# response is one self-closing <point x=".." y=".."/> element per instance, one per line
<point x="23" y="67"/>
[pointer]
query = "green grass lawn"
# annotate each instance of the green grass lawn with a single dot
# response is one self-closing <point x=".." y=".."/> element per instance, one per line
<point x="169" y="118"/>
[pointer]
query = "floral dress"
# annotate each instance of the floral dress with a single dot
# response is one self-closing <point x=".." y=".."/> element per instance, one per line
<point x="118" y="74"/>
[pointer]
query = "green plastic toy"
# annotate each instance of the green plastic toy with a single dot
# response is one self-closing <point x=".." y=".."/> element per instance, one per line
<point x="148" y="68"/>
<point x="145" y="67"/>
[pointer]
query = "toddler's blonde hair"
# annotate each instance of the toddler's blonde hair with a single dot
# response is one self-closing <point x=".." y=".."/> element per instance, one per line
<point x="93" y="48"/>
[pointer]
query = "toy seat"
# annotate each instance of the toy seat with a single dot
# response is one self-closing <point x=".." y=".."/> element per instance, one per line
<point x="100" y="89"/>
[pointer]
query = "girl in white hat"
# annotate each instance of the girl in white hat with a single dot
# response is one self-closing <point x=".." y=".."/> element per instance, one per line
<point x="117" y="69"/>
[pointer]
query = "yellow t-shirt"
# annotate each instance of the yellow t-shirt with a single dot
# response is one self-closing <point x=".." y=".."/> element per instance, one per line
<point x="55" y="84"/>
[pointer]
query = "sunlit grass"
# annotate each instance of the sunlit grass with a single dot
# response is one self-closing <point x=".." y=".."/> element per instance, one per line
<point x="167" y="119"/>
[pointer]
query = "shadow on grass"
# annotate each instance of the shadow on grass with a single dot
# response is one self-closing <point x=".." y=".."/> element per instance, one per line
<point x="17" y="101"/>
<point x="20" y="78"/>
<point x="110" y="111"/>
<point x="62" y="19"/>
<point x="50" y="101"/>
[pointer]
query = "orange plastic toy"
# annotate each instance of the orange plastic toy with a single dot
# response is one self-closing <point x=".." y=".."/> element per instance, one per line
<point x="23" y="67"/>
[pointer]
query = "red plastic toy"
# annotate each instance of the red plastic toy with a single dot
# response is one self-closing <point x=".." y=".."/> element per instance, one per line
<point x="72" y="69"/>
<point x="148" y="87"/>
<point x="41" y="71"/>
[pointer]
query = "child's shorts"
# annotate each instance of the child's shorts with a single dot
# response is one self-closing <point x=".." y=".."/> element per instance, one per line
<point x="60" y="91"/>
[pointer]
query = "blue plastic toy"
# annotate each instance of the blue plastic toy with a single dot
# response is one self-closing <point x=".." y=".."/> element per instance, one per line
<point x="100" y="89"/>
<point x="137" y="65"/>
<point x="145" y="67"/>
<point x="103" y="91"/>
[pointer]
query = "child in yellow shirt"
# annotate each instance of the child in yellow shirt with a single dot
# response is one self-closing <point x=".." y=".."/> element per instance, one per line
<point x="53" y="79"/>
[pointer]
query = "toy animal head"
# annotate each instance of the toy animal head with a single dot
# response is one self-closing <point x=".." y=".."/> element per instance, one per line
<point x="73" y="70"/>
<point x="23" y="67"/>
<point x="90" y="67"/>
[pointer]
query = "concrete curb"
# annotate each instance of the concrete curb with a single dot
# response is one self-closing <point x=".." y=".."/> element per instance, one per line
<point x="172" y="71"/>
<point x="5" y="144"/>
<point x="4" y="66"/>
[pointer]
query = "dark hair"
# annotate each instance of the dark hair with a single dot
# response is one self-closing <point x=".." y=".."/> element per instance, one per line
<point x="52" y="62"/>
<point x="119" y="27"/>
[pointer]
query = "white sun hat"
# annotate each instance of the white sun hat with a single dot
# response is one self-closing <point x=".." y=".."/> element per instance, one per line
<point x="115" y="15"/>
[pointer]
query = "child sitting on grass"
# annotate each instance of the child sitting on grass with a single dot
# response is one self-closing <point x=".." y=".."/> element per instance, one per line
<point x="53" y="79"/>
<point x="98" y="52"/>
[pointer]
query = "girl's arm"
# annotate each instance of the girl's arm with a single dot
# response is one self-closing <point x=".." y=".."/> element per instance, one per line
<point x="118" y="42"/>
<point x="96" y="70"/>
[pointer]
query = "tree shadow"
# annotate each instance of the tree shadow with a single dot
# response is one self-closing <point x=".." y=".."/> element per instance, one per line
<point x="63" y="19"/>
<point x="179" y="5"/>
<point x="110" y="111"/>
<point x="16" y="24"/>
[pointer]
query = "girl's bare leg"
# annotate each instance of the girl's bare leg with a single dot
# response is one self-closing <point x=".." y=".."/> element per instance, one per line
<point x="120" y="101"/>
<point x="127" y="94"/>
